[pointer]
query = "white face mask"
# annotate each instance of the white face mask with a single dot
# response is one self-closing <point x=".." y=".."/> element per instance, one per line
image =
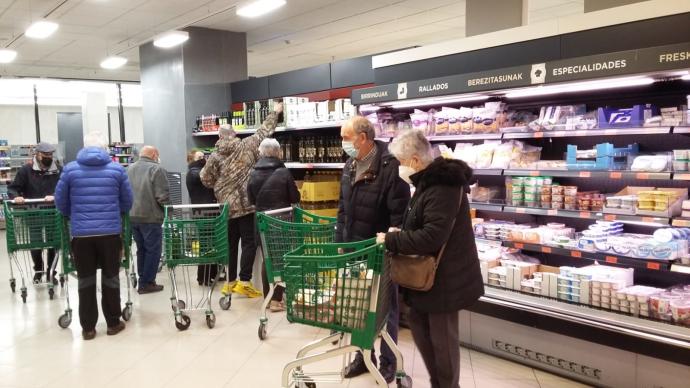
<point x="405" y="172"/>
<point x="349" y="148"/>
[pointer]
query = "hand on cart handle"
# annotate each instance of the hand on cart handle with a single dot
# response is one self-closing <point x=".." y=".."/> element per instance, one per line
<point x="49" y="198"/>
<point x="278" y="107"/>
<point x="19" y="200"/>
<point x="380" y="238"/>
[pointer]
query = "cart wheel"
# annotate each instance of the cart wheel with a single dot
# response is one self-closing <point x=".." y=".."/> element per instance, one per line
<point x="225" y="302"/>
<point x="127" y="313"/>
<point x="24" y="294"/>
<point x="307" y="384"/>
<point x="51" y="293"/>
<point x="404" y="381"/>
<point x="65" y="320"/>
<point x="62" y="281"/>
<point x="134" y="280"/>
<point x="262" y="331"/>
<point x="211" y="321"/>
<point x="13" y="285"/>
<point x="184" y="325"/>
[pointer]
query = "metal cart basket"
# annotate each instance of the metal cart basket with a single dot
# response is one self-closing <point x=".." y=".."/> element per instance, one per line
<point x="281" y="231"/>
<point x="345" y="288"/>
<point x="69" y="268"/>
<point x="32" y="225"/>
<point x="194" y="235"/>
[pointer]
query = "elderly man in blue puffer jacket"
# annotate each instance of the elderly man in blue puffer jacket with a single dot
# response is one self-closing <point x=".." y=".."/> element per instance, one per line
<point x="93" y="192"/>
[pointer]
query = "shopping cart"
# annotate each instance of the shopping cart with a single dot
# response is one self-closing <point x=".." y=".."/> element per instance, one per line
<point x="32" y="225"/>
<point x="344" y="288"/>
<point x="194" y="235"/>
<point x="282" y="231"/>
<point x="68" y="268"/>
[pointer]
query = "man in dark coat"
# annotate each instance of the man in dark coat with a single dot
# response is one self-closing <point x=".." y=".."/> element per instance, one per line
<point x="271" y="186"/>
<point x="200" y="194"/>
<point x="37" y="180"/>
<point x="373" y="198"/>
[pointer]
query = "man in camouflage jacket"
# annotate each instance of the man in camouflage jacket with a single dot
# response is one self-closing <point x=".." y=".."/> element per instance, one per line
<point x="227" y="173"/>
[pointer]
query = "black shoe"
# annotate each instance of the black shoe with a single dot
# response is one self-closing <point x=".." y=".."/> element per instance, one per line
<point x="38" y="277"/>
<point x="54" y="279"/>
<point x="88" y="335"/>
<point x="357" y="367"/>
<point x="387" y="371"/>
<point x="114" y="330"/>
<point x="150" y="288"/>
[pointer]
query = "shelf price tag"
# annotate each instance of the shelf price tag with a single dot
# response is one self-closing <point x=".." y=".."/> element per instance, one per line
<point x="534" y="173"/>
<point x="519" y="245"/>
<point x="546" y="249"/>
<point x="538" y="135"/>
<point x="577" y="254"/>
<point x="642" y="175"/>
<point x="552" y="212"/>
<point x="654" y="266"/>
<point x="585" y="174"/>
<point x="585" y="215"/>
<point x="611" y="259"/>
<point x="616" y="175"/>
<point x="609" y="217"/>
<point x="520" y="210"/>
<point x="647" y="219"/>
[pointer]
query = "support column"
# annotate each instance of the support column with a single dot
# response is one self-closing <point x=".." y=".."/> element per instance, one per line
<point x="483" y="16"/>
<point x="598" y="5"/>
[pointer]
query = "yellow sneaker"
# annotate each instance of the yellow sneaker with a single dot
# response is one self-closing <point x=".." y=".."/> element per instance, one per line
<point x="228" y="288"/>
<point x="246" y="289"/>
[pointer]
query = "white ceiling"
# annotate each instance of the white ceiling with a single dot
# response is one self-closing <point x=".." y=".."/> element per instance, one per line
<point x="303" y="33"/>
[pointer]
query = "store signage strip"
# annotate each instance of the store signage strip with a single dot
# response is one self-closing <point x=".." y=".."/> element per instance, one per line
<point x="669" y="57"/>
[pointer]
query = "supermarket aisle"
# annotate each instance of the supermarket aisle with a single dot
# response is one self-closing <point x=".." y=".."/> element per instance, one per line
<point x="35" y="352"/>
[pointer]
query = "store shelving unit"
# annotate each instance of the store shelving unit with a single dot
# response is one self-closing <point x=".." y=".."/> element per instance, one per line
<point x="122" y="153"/>
<point x="554" y="320"/>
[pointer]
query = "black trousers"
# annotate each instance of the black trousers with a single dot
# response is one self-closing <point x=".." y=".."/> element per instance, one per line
<point x="242" y="228"/>
<point x="37" y="257"/>
<point x="278" y="293"/>
<point x="437" y="338"/>
<point x="91" y="253"/>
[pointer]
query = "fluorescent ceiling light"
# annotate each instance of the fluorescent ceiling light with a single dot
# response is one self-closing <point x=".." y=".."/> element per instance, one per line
<point x="113" y="62"/>
<point x="581" y="86"/>
<point x="41" y="29"/>
<point x="257" y="8"/>
<point x="685" y="77"/>
<point x="171" y="39"/>
<point x="436" y="101"/>
<point x="7" y="55"/>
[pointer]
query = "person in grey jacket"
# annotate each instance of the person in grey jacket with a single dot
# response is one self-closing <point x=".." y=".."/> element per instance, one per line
<point x="151" y="192"/>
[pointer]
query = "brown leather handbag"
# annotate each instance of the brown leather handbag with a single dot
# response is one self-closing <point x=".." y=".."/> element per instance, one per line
<point x="417" y="272"/>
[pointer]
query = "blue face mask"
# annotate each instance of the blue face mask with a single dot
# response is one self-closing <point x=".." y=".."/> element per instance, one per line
<point x="349" y="148"/>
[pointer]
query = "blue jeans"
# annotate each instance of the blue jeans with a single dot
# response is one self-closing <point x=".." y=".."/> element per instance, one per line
<point x="149" y="239"/>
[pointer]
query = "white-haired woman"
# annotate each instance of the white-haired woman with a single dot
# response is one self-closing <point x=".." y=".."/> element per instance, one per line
<point x="271" y="186"/>
<point x="438" y="213"/>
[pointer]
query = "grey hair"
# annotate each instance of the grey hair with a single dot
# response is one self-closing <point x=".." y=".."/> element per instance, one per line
<point x="95" y="139"/>
<point x="411" y="143"/>
<point x="225" y="131"/>
<point x="269" y="147"/>
<point x="363" y="125"/>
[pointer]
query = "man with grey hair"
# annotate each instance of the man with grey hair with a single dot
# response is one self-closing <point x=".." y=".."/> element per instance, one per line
<point x="373" y="199"/>
<point x="151" y="193"/>
<point x="271" y="186"/>
<point x="227" y="173"/>
<point x="93" y="192"/>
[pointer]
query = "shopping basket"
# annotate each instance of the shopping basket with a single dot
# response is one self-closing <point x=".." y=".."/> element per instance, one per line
<point x="195" y="235"/>
<point x="33" y="225"/>
<point x="343" y="287"/>
<point x="69" y="268"/>
<point x="281" y="231"/>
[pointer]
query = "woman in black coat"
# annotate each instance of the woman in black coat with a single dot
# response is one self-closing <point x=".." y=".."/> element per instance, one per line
<point x="271" y="186"/>
<point x="440" y="199"/>
<point x="200" y="194"/>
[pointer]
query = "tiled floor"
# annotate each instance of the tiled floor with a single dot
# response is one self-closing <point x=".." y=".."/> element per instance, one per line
<point x="151" y="352"/>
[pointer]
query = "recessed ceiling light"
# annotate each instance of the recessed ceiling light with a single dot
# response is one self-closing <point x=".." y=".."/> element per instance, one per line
<point x="7" y="55"/>
<point x="41" y="29"/>
<point x="257" y="8"/>
<point x="171" y="39"/>
<point x="113" y="62"/>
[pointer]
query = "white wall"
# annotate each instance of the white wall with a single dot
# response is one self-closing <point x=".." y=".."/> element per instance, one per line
<point x="17" y="124"/>
<point x="134" y="125"/>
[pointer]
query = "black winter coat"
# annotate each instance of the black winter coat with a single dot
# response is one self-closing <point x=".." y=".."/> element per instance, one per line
<point x="271" y="185"/>
<point x="375" y="202"/>
<point x="426" y="226"/>
<point x="34" y="183"/>
<point x="198" y="193"/>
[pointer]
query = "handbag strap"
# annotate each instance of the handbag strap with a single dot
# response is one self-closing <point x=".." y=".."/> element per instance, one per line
<point x="452" y="226"/>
